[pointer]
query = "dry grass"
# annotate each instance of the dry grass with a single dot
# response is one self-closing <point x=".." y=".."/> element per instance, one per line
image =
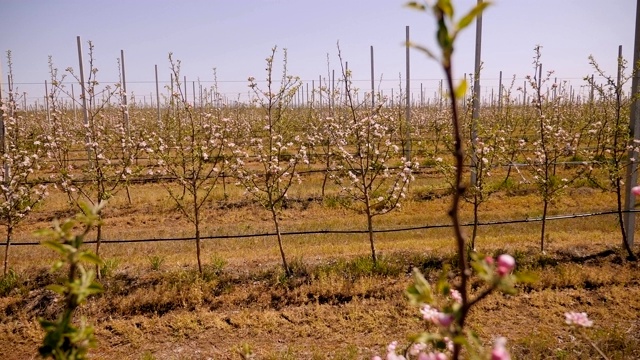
<point x="336" y="305"/>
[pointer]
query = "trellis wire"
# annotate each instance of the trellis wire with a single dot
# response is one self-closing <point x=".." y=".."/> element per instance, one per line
<point x="321" y="232"/>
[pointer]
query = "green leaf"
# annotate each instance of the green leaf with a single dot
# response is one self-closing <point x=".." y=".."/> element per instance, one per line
<point x="86" y="208"/>
<point x="423" y="49"/>
<point x="507" y="289"/>
<point x="420" y="292"/>
<point x="67" y="225"/>
<point x="57" y="288"/>
<point x="444" y="40"/>
<point x="460" y="339"/>
<point x="54" y="245"/>
<point x="90" y="258"/>
<point x="416" y="6"/>
<point x="95" y="288"/>
<point x="446" y="7"/>
<point x="426" y="338"/>
<point x="47" y="324"/>
<point x="57" y="265"/>
<point x="49" y="233"/>
<point x="461" y="89"/>
<point x="526" y="277"/>
<point x="442" y="285"/>
<point x="69" y="249"/>
<point x="471" y="15"/>
<point x="480" y="267"/>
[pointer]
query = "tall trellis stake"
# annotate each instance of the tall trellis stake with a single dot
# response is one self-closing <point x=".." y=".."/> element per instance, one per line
<point x="407" y="147"/>
<point x="83" y="96"/>
<point x="125" y="105"/>
<point x="476" y="98"/>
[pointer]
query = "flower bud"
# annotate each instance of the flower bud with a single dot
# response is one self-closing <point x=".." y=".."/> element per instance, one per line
<point x="506" y="263"/>
<point x="499" y="351"/>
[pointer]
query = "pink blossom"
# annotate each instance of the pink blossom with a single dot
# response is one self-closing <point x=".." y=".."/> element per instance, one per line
<point x="439" y="318"/>
<point x="391" y="353"/>
<point x="499" y="351"/>
<point x="432" y="356"/>
<point x="580" y="319"/>
<point x="635" y="190"/>
<point x="449" y="343"/>
<point x="506" y="263"/>
<point x="488" y="260"/>
<point x="444" y="320"/>
<point x="417" y="348"/>
<point x="456" y="296"/>
<point x="429" y="313"/>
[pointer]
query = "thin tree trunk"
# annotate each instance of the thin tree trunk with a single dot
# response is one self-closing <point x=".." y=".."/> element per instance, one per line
<point x="98" y="242"/>
<point x="196" y="222"/>
<point x="476" y="205"/>
<point x="198" y="249"/>
<point x="6" y="249"/>
<point x="324" y="182"/>
<point x="128" y="193"/>
<point x="509" y="168"/>
<point x="225" y="196"/>
<point x="326" y="173"/>
<point x="370" y="229"/>
<point x="544" y="224"/>
<point x="277" y="225"/>
<point x="625" y="242"/>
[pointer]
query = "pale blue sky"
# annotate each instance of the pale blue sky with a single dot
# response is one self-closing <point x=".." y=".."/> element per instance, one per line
<point x="236" y="36"/>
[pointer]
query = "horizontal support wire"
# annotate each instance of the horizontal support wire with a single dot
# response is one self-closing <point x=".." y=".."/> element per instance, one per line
<point x="319" y="232"/>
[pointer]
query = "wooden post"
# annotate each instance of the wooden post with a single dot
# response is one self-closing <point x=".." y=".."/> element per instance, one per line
<point x="125" y="111"/>
<point x="333" y="88"/>
<point x="407" y="148"/>
<point x="83" y="96"/>
<point x="373" y="85"/>
<point x="476" y="99"/>
<point x="46" y="102"/>
<point x="500" y="93"/>
<point x="347" y="78"/>
<point x="320" y="90"/>
<point x="540" y="76"/>
<point x="184" y="95"/>
<point x="3" y="143"/>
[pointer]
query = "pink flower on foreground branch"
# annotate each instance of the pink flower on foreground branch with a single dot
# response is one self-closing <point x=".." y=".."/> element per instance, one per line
<point x="506" y="263"/>
<point x="432" y="356"/>
<point x="456" y="296"/>
<point x="576" y="318"/>
<point x="635" y="190"/>
<point x="499" y="351"/>
<point x="439" y="318"/>
<point x="417" y="349"/>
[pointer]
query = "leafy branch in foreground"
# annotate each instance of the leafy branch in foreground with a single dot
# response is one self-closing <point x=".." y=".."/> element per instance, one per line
<point x="63" y="339"/>
<point x="451" y="335"/>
